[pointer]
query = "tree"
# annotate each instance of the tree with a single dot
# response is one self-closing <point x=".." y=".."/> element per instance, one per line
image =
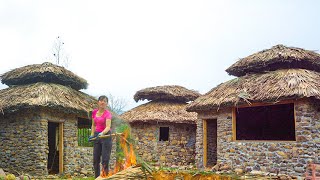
<point x="59" y="54"/>
<point x="116" y="105"/>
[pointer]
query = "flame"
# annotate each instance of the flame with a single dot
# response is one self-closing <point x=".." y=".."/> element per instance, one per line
<point x="103" y="173"/>
<point x="130" y="157"/>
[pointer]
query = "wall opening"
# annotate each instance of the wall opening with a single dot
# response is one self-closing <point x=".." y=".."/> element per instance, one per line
<point x="164" y="134"/>
<point x="53" y="143"/>
<point x="273" y="122"/>
<point x="84" y="131"/>
<point x="211" y="142"/>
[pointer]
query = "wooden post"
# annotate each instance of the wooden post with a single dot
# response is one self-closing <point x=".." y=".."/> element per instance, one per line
<point x="234" y="129"/>
<point x="205" y="144"/>
<point x="295" y="122"/>
<point x="60" y="147"/>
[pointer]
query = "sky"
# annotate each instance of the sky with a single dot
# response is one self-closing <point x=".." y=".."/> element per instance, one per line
<point x="121" y="47"/>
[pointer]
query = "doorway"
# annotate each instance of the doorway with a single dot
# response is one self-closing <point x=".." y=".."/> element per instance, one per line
<point x="210" y="142"/>
<point x="53" y="144"/>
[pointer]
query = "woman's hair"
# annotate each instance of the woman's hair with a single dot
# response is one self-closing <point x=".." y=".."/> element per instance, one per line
<point x="103" y="97"/>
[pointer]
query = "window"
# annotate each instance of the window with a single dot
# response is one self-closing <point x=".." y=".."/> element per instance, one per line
<point x="273" y="122"/>
<point x="164" y="134"/>
<point x="84" y="131"/>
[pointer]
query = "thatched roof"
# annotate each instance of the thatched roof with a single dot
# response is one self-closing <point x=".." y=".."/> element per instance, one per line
<point x="278" y="57"/>
<point x="172" y="93"/>
<point x="160" y="111"/>
<point x="46" y="72"/>
<point x="274" y="86"/>
<point x="53" y="96"/>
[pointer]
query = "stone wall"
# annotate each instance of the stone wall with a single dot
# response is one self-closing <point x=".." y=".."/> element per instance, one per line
<point x="24" y="143"/>
<point x="199" y="145"/>
<point x="289" y="157"/>
<point x="178" y="151"/>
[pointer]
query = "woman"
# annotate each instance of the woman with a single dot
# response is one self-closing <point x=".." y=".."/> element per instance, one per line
<point x="101" y="125"/>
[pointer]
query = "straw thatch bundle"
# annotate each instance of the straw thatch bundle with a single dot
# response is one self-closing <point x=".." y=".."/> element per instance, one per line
<point x="41" y="94"/>
<point x="278" y="57"/>
<point x="46" y="72"/>
<point x="160" y="111"/>
<point x="274" y="86"/>
<point x="173" y="93"/>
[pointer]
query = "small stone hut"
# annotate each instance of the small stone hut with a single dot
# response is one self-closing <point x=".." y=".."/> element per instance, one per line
<point x="266" y="119"/>
<point x="164" y="131"/>
<point x="41" y="111"/>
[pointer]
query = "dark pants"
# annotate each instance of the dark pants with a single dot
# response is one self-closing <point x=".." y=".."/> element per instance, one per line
<point x="101" y="148"/>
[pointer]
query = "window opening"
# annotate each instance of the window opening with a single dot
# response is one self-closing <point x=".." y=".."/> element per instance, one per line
<point x="84" y="131"/>
<point x="164" y="134"/>
<point x="273" y="122"/>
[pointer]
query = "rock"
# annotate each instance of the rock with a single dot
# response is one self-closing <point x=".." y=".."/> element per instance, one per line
<point x="301" y="139"/>
<point x="215" y="168"/>
<point x="272" y="148"/>
<point x="2" y="174"/>
<point x="174" y="166"/>
<point x="248" y="169"/>
<point x="295" y="152"/>
<point x="299" y="169"/>
<point x="83" y="171"/>
<point x="256" y="167"/>
<point x="238" y="171"/>
<point x="182" y="167"/>
<point x="254" y="172"/>
<point x="282" y="154"/>
<point x="225" y="167"/>
<point x="174" y="142"/>
<point x="284" y="177"/>
<point x="232" y="150"/>
<point x="162" y="158"/>
<point x="52" y="177"/>
<point x="174" y="153"/>
<point x="237" y="161"/>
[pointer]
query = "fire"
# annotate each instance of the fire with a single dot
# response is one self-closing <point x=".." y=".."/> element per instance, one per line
<point x="130" y="157"/>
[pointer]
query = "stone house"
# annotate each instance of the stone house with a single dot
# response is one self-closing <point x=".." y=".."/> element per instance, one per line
<point x="164" y="131"/>
<point x="266" y="119"/>
<point x="41" y="112"/>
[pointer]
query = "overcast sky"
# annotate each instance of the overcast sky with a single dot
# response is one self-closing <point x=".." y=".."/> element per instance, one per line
<point x="120" y="47"/>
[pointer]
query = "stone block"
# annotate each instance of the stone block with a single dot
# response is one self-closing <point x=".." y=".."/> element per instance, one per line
<point x="238" y="171"/>
<point x="162" y="158"/>
<point x="282" y="154"/>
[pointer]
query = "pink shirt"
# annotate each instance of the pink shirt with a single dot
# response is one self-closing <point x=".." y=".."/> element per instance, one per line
<point x="100" y="121"/>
